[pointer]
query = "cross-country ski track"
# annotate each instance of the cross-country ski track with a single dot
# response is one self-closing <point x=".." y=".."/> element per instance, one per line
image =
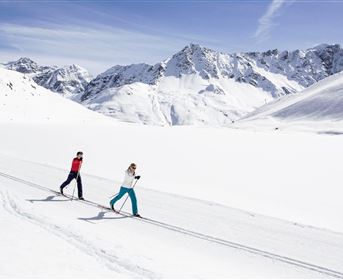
<point x="31" y="195"/>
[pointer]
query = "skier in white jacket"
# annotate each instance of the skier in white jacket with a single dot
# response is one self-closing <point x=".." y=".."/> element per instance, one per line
<point x="127" y="187"/>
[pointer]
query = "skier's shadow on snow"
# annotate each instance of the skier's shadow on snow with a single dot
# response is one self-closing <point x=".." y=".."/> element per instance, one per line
<point x="101" y="216"/>
<point x="50" y="198"/>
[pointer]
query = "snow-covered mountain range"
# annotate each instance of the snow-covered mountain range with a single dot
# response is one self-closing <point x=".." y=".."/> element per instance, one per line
<point x="201" y="86"/>
<point x="69" y="80"/>
<point x="197" y="85"/>
<point x="303" y="67"/>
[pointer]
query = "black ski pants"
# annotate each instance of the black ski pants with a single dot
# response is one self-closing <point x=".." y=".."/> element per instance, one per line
<point x="73" y="175"/>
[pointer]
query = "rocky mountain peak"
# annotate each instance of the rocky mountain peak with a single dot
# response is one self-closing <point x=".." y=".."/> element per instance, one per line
<point x="23" y="65"/>
<point x="68" y="80"/>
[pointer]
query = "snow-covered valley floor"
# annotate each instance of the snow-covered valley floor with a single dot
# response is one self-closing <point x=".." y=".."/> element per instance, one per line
<point x="51" y="236"/>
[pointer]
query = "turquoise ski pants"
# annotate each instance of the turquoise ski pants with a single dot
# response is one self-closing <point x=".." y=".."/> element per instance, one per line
<point x="132" y="195"/>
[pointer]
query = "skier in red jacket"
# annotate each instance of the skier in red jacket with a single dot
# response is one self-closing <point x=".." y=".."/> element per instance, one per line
<point x="75" y="174"/>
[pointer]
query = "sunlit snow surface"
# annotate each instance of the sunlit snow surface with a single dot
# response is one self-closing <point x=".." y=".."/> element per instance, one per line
<point x="288" y="185"/>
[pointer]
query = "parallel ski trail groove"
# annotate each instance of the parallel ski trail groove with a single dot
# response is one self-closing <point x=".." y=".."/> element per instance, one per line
<point x="104" y="257"/>
<point x="284" y="259"/>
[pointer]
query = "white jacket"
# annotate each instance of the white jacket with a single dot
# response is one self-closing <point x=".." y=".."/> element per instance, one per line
<point x="128" y="180"/>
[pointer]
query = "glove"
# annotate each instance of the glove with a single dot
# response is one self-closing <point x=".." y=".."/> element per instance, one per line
<point x="137" y="177"/>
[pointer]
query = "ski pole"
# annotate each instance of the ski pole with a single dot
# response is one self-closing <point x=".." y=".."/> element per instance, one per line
<point x="75" y="185"/>
<point x="72" y="198"/>
<point x="127" y="196"/>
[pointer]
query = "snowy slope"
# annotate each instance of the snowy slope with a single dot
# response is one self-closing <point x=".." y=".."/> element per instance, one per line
<point x="193" y="182"/>
<point x="179" y="101"/>
<point x="284" y="175"/>
<point x="200" y="86"/>
<point x="85" y="241"/>
<point x="179" y="153"/>
<point x="70" y="80"/>
<point x="322" y="102"/>
<point x="21" y="99"/>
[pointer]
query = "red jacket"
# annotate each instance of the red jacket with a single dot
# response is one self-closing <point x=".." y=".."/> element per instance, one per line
<point x="76" y="165"/>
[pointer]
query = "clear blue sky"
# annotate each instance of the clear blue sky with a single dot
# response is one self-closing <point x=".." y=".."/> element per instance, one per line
<point x="100" y="34"/>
